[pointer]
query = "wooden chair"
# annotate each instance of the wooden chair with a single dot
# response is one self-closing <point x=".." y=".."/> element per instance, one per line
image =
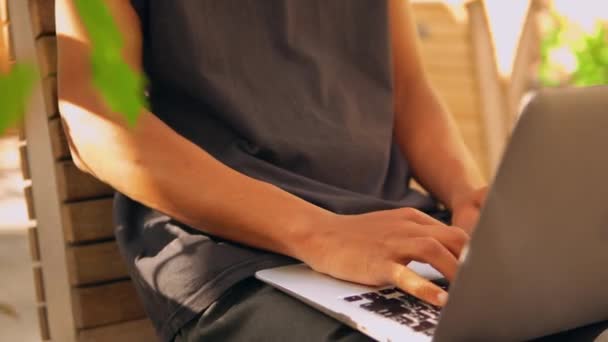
<point x="82" y="284"/>
<point x="459" y="58"/>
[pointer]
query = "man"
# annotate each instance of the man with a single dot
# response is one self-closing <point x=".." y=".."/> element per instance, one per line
<point x="278" y="130"/>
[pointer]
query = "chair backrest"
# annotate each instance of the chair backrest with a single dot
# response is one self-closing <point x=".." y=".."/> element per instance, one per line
<point x="522" y="76"/>
<point x="457" y="51"/>
<point x="82" y="283"/>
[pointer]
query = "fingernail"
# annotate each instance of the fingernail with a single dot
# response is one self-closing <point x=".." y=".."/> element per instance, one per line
<point x="442" y="298"/>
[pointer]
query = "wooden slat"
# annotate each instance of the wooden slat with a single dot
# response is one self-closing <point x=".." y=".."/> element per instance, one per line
<point x="527" y="52"/>
<point x="38" y="284"/>
<point x="49" y="92"/>
<point x="21" y="131"/>
<point x="89" y="220"/>
<point x="469" y="98"/>
<point x="454" y="80"/>
<point x="440" y="31"/>
<point x="29" y="201"/>
<point x="25" y="167"/>
<point x="106" y="304"/>
<point x="436" y="64"/>
<point x="46" y="48"/>
<point x="75" y="185"/>
<point x="493" y="102"/>
<point x="3" y="49"/>
<point x="59" y="142"/>
<point x="42" y="15"/>
<point x="133" y="331"/>
<point x="3" y="11"/>
<point x="453" y="46"/>
<point x="457" y="92"/>
<point x="461" y="106"/>
<point x="459" y="52"/>
<point x="95" y="263"/>
<point x="32" y="235"/>
<point x="438" y="11"/>
<point x="9" y="51"/>
<point x="43" y="323"/>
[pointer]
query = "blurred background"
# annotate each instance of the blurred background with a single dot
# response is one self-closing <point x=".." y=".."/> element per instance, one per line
<point x="485" y="58"/>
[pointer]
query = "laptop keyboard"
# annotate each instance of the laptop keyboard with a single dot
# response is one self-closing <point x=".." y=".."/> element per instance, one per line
<point x="401" y="307"/>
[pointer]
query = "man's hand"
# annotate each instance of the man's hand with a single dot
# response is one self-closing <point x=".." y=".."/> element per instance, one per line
<point x="466" y="208"/>
<point x="374" y="249"/>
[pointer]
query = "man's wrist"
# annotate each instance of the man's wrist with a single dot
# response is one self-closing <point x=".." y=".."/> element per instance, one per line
<point x="304" y="231"/>
<point x="458" y="195"/>
<point x="461" y="188"/>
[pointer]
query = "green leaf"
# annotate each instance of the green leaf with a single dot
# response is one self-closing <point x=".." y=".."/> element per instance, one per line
<point x="120" y="85"/>
<point x="15" y="89"/>
<point x="590" y="51"/>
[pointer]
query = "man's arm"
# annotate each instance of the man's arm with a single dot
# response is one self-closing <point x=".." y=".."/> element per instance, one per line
<point x="156" y="166"/>
<point x="424" y="129"/>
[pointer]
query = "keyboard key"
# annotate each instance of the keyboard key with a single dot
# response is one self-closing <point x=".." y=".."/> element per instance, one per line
<point x="353" y="299"/>
<point x="419" y="316"/>
<point x="381" y="304"/>
<point x="404" y="320"/>
<point x="387" y="291"/>
<point x="400" y="307"/>
<point x="371" y="296"/>
<point x="429" y="332"/>
<point x="424" y="325"/>
<point x="394" y="310"/>
<point x="407" y="298"/>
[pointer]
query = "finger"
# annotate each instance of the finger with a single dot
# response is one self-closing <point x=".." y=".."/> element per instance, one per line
<point x="410" y="282"/>
<point x="430" y="251"/>
<point x="451" y="237"/>
<point x="417" y="216"/>
<point x="480" y="196"/>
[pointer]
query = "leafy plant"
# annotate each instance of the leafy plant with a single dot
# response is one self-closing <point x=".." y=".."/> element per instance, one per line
<point x="570" y="56"/>
<point x="121" y="87"/>
<point x="592" y="59"/>
<point x="15" y="89"/>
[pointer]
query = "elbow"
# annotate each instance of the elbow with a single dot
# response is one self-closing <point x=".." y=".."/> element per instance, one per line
<point x="76" y="155"/>
<point x="85" y="133"/>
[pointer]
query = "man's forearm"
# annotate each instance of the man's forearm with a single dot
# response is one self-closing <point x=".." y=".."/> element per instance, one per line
<point x="155" y="166"/>
<point x="432" y="144"/>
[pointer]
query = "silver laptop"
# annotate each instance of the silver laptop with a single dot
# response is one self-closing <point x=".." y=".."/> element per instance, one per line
<point x="537" y="263"/>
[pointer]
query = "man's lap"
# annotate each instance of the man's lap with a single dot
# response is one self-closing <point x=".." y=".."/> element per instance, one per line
<point x="254" y="311"/>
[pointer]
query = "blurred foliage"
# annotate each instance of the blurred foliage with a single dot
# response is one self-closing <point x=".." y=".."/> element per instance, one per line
<point x="571" y="56"/>
<point x="15" y="89"/>
<point x="120" y="86"/>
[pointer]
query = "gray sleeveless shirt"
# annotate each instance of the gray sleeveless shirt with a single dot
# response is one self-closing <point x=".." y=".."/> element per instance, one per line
<point x="297" y="93"/>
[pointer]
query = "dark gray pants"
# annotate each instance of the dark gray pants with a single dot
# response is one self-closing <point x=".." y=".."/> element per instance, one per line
<point x="254" y="311"/>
